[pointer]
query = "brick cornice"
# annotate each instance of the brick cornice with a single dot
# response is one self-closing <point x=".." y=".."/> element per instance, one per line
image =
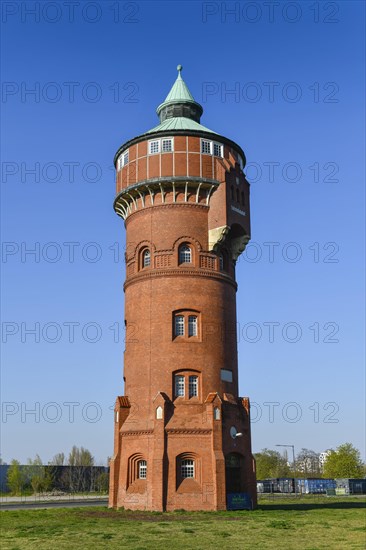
<point x="188" y="431"/>
<point x="137" y="433"/>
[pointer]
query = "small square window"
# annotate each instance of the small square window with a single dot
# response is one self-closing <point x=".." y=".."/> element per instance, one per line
<point x="166" y="145"/>
<point x="154" y="147"/>
<point x="217" y="149"/>
<point x="206" y="147"/>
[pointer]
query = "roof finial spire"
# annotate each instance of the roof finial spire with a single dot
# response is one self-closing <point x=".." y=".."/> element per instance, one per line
<point x="179" y="69"/>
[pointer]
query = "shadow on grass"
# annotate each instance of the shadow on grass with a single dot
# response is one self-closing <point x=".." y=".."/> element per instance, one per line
<point x="311" y="505"/>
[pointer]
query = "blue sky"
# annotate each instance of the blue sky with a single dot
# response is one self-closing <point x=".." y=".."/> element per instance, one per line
<point x="296" y="77"/>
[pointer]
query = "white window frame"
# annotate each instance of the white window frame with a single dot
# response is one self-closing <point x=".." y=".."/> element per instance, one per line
<point x="187" y="468"/>
<point x="221" y="149"/>
<point x="170" y="140"/>
<point x="142" y="469"/>
<point x="160" y="145"/>
<point x="193" y="385"/>
<point x="123" y="159"/>
<point x="204" y="143"/>
<point x="183" y="254"/>
<point x="153" y="141"/>
<point x="192" y="325"/>
<point x="179" y="385"/>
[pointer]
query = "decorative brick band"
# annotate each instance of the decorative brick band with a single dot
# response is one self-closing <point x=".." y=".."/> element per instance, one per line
<point x="182" y="272"/>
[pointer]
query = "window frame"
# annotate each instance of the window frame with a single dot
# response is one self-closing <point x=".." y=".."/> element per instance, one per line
<point x="170" y="140"/>
<point x="181" y="254"/>
<point x="142" y="469"/>
<point x="146" y="254"/>
<point x="186" y="469"/>
<point x="179" y="325"/>
<point x="151" y="144"/>
<point x="123" y="159"/>
<point x="193" y="387"/>
<point x="192" y="324"/>
<point x="160" y="145"/>
<point x="187" y="385"/>
<point x="220" y="147"/>
<point x="179" y="385"/>
<point x="205" y="142"/>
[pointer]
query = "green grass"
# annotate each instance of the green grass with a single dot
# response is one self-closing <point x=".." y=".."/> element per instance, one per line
<point x="308" y="523"/>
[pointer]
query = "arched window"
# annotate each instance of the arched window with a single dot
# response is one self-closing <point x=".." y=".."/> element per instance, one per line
<point x="146" y="260"/>
<point x="237" y="196"/>
<point x="179" y="325"/>
<point x="192" y="325"/>
<point x="187" y="468"/>
<point x="221" y="262"/>
<point x="242" y="198"/>
<point x="185" y="254"/>
<point x="142" y="469"/>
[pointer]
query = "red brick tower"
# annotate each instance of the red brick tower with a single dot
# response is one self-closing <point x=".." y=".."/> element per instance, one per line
<point x="182" y="433"/>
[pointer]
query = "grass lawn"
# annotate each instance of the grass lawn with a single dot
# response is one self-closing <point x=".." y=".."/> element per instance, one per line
<point x="308" y="523"/>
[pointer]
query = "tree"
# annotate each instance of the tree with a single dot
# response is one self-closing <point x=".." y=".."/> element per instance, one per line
<point x="271" y="464"/>
<point x="344" y="462"/>
<point x="58" y="459"/>
<point x="80" y="457"/>
<point x="307" y="462"/>
<point x="37" y="475"/>
<point x="80" y="472"/>
<point x="15" y="478"/>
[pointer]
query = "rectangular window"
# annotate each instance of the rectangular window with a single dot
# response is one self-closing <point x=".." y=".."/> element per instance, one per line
<point x="192" y="325"/>
<point x="179" y="325"/>
<point x="179" y="386"/>
<point x="166" y="145"/>
<point x="187" y="468"/>
<point x="154" y="147"/>
<point x="217" y="149"/>
<point x="125" y="158"/>
<point x="193" y="386"/>
<point x="226" y="375"/>
<point x="142" y="469"/>
<point x="206" y="147"/>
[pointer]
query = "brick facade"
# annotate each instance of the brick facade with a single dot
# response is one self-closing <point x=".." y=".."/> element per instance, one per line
<point x="174" y="443"/>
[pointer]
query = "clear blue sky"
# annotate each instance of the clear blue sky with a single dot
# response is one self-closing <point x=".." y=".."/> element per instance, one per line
<point x="297" y="111"/>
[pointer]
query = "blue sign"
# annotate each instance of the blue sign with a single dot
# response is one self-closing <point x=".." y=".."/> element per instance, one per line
<point x="239" y="501"/>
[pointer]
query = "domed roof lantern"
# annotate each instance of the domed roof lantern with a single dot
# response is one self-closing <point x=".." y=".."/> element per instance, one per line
<point x="179" y="102"/>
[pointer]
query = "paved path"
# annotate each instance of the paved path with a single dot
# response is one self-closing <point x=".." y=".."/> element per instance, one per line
<point x="54" y="502"/>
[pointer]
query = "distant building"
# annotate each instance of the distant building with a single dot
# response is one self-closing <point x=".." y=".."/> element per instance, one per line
<point x="323" y="457"/>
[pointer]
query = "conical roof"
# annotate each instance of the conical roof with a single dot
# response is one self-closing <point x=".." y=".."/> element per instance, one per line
<point x="179" y="91"/>
<point x="179" y="101"/>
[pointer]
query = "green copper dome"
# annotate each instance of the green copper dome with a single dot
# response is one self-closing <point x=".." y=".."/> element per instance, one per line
<point x="179" y="111"/>
<point x="179" y="92"/>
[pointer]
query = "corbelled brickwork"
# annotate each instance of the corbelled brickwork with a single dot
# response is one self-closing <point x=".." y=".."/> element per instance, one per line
<point x="182" y="433"/>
